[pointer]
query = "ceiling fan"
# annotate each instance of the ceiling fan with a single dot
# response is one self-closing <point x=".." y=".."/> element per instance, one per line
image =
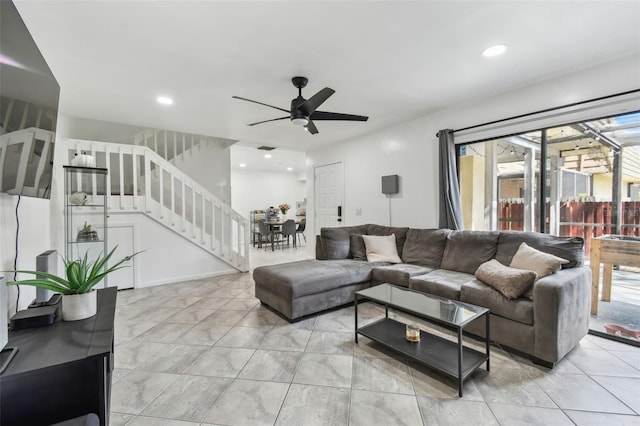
<point x="303" y="111"/>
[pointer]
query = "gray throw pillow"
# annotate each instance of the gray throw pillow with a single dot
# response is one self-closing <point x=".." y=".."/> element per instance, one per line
<point x="358" y="250"/>
<point x="511" y="282"/>
<point x="336" y="241"/>
<point x="425" y="247"/>
<point x="467" y="250"/>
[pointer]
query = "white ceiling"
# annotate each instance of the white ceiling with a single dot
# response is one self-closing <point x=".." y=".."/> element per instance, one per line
<point x="390" y="60"/>
<point x="279" y="161"/>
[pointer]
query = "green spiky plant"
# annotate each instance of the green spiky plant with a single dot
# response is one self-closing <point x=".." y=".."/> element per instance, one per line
<point x="81" y="274"/>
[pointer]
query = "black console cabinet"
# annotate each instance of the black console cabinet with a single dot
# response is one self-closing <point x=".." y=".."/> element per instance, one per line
<point x="61" y="371"/>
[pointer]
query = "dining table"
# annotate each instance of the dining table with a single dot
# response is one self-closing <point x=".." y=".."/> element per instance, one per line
<point x="274" y="225"/>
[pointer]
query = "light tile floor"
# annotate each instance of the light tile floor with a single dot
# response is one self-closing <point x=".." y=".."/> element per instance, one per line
<point x="206" y="352"/>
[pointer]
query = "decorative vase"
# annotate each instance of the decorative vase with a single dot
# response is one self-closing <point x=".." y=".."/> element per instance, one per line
<point x="83" y="160"/>
<point x="79" y="306"/>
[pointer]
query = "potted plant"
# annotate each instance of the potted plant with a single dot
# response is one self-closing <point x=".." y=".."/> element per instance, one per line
<point x="78" y="296"/>
<point x="87" y="233"/>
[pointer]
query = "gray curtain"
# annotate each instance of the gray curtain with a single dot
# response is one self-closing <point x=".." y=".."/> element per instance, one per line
<point x="450" y="207"/>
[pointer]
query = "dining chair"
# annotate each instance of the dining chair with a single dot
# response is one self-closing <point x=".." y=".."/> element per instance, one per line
<point x="289" y="230"/>
<point x="265" y="234"/>
<point x="301" y="228"/>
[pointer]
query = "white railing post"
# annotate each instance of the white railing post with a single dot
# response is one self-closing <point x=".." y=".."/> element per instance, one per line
<point x="183" y="197"/>
<point x="175" y="146"/>
<point x="121" y="177"/>
<point x="202" y="220"/>
<point x="161" y="182"/>
<point x="155" y="141"/>
<point x="134" y="173"/>
<point x="147" y="184"/>
<point x="107" y="157"/>
<point x="193" y="212"/>
<point x="173" y="200"/>
<point x="165" y="145"/>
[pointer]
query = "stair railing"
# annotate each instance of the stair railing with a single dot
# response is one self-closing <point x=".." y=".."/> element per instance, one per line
<point x="172" y="145"/>
<point x="142" y="181"/>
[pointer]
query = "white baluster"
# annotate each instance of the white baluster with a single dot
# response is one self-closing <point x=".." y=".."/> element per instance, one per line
<point x="121" y="177"/>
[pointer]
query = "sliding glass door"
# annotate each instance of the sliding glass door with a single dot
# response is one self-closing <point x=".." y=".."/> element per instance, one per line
<point x="590" y="188"/>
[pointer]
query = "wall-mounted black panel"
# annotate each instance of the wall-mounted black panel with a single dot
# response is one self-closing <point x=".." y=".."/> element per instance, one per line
<point x="390" y="184"/>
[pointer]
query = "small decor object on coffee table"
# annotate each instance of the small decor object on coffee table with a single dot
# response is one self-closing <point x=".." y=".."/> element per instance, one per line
<point x="284" y="208"/>
<point x="412" y="333"/>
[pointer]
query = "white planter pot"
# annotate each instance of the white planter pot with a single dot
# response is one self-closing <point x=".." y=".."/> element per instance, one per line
<point x="79" y="306"/>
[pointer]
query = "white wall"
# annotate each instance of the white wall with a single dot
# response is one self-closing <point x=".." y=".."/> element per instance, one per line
<point x="167" y="257"/>
<point x="256" y="190"/>
<point x="211" y="168"/>
<point x="410" y="149"/>
<point x="34" y="238"/>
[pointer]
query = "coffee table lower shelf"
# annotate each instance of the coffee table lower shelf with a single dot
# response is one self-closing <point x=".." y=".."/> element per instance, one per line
<point x="434" y="351"/>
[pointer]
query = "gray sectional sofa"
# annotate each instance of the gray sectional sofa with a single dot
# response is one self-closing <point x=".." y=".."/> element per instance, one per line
<point x="546" y="323"/>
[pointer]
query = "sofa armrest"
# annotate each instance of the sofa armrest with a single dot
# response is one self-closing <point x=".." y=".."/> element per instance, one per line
<point x="561" y="304"/>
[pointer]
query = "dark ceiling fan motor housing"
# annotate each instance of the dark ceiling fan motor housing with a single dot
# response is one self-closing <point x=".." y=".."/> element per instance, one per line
<point x="304" y="111"/>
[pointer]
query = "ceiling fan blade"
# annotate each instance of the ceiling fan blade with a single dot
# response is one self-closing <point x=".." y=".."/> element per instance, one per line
<point x="311" y="128"/>
<point x="324" y="115"/>
<point x="311" y="104"/>
<point x="261" y="103"/>
<point x="266" y="121"/>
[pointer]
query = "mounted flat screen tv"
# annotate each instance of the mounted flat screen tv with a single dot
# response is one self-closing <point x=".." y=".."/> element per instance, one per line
<point x="29" y="96"/>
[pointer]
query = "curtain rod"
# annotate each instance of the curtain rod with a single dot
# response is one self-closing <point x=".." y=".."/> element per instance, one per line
<point x="543" y="111"/>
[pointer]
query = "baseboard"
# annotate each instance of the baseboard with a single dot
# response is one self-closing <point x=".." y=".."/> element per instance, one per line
<point x="189" y="278"/>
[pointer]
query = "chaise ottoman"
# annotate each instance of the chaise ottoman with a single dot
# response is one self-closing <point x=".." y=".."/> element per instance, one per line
<point x="306" y="287"/>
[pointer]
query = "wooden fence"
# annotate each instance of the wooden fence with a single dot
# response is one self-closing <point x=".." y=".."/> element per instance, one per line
<point x="586" y="219"/>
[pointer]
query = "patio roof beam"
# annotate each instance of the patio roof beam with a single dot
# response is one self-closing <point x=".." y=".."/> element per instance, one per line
<point x="610" y="129"/>
<point x="605" y="140"/>
<point x="529" y="143"/>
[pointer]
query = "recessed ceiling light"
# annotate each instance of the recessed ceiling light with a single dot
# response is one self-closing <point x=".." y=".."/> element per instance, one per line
<point x="289" y="169"/>
<point x="267" y="156"/>
<point x="164" y="100"/>
<point x="496" y="50"/>
<point x="243" y="165"/>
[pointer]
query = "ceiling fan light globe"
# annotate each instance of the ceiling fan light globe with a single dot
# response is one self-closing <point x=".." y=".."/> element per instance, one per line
<point x="300" y="121"/>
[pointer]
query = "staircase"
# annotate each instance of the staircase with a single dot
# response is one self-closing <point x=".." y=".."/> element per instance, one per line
<point x="175" y="146"/>
<point x="142" y="181"/>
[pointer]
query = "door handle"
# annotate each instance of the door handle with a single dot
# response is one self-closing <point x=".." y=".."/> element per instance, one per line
<point x="339" y="213"/>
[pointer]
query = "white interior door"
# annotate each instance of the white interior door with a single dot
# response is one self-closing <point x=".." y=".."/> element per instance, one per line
<point x="329" y="190"/>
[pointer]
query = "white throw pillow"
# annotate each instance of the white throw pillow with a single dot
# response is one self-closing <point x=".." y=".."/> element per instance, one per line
<point x="381" y="248"/>
<point x="541" y="263"/>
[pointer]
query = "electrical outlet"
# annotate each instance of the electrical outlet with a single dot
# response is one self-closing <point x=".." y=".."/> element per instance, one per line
<point x="359" y="211"/>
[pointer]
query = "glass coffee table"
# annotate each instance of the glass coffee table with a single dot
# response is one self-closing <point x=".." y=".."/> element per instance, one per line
<point x="448" y="357"/>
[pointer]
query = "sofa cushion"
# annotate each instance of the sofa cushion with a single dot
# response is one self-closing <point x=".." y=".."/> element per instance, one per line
<point x="466" y="250"/>
<point x="569" y="248"/>
<point x="541" y="263"/>
<point x="336" y="242"/>
<point x="511" y="282"/>
<point x="478" y="293"/>
<point x="400" y="234"/>
<point x="425" y="246"/>
<point x="311" y="276"/>
<point x="398" y="274"/>
<point x="381" y="248"/>
<point x="358" y="249"/>
<point x="441" y="282"/>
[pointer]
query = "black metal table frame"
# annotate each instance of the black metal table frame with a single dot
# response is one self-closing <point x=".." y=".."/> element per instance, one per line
<point x="460" y="376"/>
